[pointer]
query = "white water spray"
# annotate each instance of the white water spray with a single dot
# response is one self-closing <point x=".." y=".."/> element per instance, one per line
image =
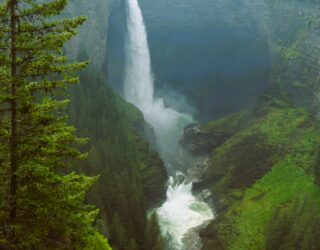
<point x="168" y="124"/>
<point x="182" y="210"/>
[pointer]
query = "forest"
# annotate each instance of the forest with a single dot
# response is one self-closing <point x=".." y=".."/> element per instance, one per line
<point x="159" y="125"/>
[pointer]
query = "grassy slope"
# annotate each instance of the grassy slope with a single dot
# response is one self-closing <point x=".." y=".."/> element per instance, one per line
<point x="265" y="182"/>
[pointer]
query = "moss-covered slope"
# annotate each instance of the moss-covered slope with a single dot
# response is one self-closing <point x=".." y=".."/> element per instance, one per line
<point x="263" y="179"/>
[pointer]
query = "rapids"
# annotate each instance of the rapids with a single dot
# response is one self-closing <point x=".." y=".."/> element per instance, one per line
<point x="181" y="212"/>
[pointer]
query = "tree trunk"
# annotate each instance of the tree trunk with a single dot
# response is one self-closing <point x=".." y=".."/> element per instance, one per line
<point x="13" y="137"/>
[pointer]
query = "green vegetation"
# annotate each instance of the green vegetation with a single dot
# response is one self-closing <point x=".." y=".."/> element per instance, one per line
<point x="229" y="125"/>
<point x="42" y="202"/>
<point x="290" y="53"/>
<point x="97" y="242"/>
<point x="278" y="211"/>
<point x="132" y="177"/>
<point x="280" y="189"/>
<point x="38" y="149"/>
<point x="266" y="172"/>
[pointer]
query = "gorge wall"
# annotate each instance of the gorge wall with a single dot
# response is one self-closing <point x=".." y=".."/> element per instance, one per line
<point x="92" y="37"/>
<point x="291" y="29"/>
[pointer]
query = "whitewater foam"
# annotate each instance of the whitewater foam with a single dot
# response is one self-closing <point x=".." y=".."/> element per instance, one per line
<point x="181" y="212"/>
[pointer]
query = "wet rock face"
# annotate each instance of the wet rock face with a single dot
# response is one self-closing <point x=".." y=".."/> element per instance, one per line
<point x="200" y="143"/>
<point x="192" y="240"/>
<point x="291" y="29"/>
<point x="197" y="169"/>
<point x="244" y="163"/>
<point x="91" y="40"/>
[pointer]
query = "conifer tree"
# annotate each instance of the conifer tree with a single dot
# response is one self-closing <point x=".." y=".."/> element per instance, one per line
<point x="40" y="205"/>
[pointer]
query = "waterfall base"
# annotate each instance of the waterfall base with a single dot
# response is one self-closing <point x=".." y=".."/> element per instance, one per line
<point x="181" y="212"/>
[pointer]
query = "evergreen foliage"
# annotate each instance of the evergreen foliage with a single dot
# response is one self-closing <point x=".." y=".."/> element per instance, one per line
<point x="120" y="156"/>
<point x="41" y="206"/>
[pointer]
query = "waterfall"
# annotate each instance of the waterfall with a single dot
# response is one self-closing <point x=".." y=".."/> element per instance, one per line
<point x="167" y="123"/>
<point x="181" y="211"/>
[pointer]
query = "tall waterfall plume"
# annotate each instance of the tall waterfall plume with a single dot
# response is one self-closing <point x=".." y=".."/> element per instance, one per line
<point x="167" y="123"/>
<point x="182" y="210"/>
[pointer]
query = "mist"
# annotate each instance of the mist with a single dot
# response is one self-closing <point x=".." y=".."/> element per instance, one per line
<point x="225" y="61"/>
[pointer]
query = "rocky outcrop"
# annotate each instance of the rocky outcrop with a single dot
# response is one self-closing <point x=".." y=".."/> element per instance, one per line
<point x="199" y="142"/>
<point x="198" y="168"/>
<point x="192" y="240"/>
